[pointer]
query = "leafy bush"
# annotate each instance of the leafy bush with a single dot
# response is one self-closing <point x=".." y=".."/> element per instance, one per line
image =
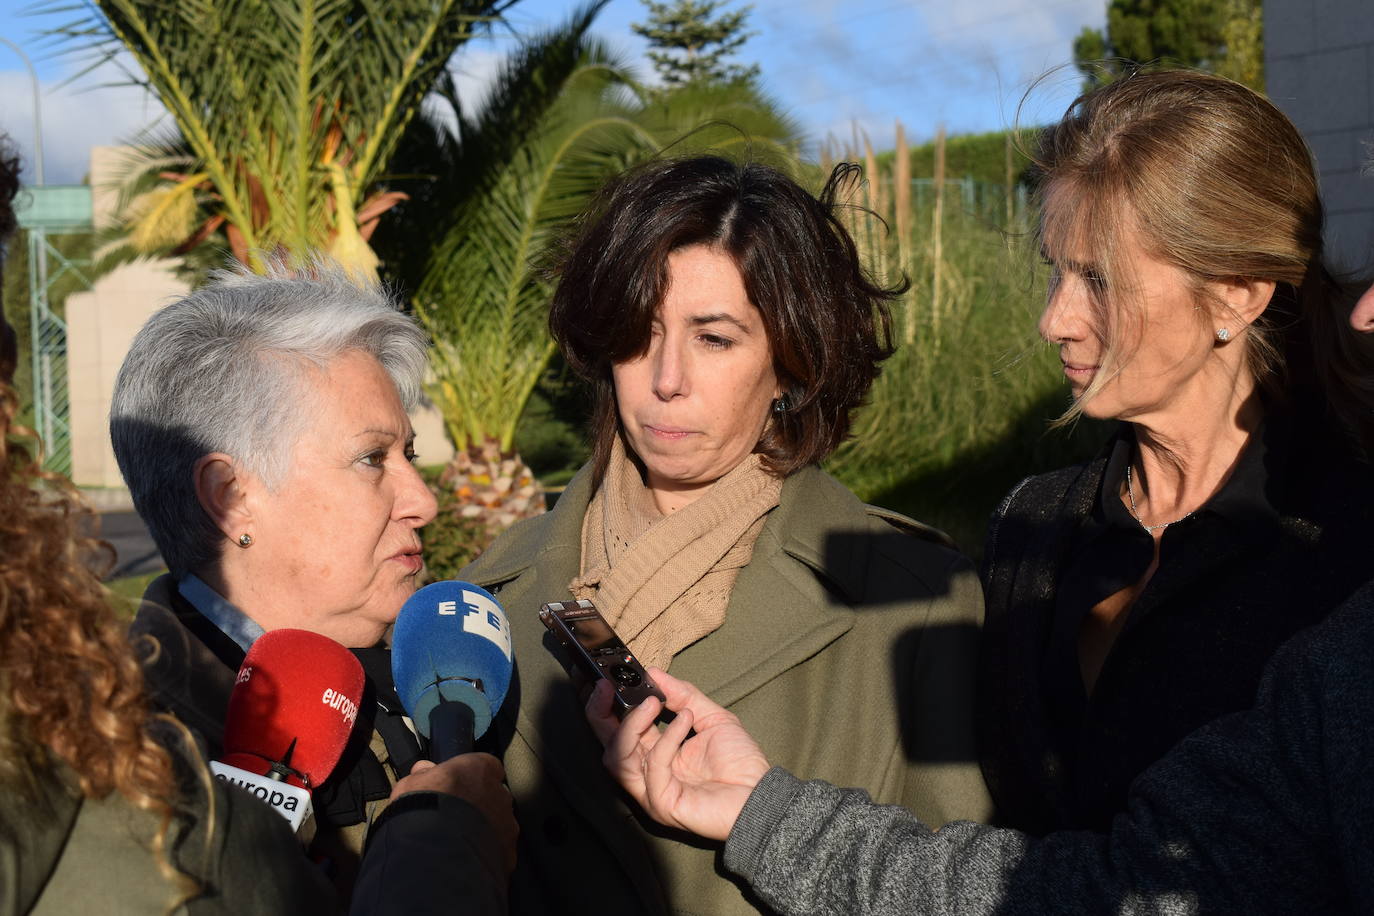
<point x="964" y="409"/>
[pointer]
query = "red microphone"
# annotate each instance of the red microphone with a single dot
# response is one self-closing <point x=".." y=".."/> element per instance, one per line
<point x="294" y="705"/>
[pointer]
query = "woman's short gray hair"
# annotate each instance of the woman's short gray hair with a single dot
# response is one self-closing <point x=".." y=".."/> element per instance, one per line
<point x="224" y="370"/>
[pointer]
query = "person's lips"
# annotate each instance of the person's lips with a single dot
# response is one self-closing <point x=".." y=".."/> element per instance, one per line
<point x="1078" y="372"/>
<point x="668" y="433"/>
<point x="410" y="559"/>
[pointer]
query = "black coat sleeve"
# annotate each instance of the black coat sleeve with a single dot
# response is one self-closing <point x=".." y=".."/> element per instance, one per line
<point x="431" y="853"/>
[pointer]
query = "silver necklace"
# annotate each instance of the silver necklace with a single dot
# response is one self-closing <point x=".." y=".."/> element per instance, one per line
<point x="1135" y="513"/>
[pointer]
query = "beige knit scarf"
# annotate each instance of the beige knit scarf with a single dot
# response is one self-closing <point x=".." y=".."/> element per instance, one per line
<point x="663" y="582"/>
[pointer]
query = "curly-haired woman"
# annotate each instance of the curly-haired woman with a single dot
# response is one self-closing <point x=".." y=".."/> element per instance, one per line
<point x="99" y="808"/>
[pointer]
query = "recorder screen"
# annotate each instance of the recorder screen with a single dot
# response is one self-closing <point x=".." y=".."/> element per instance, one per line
<point x="592" y="633"/>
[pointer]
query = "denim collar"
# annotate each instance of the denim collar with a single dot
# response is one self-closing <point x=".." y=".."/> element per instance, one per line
<point x="231" y="621"/>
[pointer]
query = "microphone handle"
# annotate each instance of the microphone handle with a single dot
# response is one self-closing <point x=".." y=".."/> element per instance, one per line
<point x="450" y="730"/>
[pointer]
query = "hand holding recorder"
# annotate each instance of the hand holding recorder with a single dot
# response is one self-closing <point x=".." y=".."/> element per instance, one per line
<point x="698" y="784"/>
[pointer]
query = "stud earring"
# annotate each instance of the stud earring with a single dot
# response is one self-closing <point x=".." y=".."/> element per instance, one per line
<point x="1223" y="335"/>
<point x="245" y="540"/>
<point x="782" y="404"/>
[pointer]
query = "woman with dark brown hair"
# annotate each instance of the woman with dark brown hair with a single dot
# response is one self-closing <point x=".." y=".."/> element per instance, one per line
<point x="722" y="317"/>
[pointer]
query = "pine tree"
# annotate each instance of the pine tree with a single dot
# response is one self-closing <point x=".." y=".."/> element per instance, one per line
<point x="1223" y="36"/>
<point x="690" y="46"/>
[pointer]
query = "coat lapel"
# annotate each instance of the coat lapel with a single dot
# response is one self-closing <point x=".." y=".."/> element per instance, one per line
<point x="793" y="598"/>
<point x="543" y="558"/>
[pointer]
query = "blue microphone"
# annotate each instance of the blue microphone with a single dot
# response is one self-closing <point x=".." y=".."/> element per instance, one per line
<point x="451" y="661"/>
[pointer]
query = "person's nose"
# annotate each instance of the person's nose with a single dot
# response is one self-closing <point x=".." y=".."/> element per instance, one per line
<point x="671" y="371"/>
<point x="1067" y="310"/>
<point x="1362" y="317"/>
<point x="415" y="502"/>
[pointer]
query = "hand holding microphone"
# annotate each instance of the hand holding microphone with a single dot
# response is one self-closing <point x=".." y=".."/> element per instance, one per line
<point x="478" y="780"/>
<point x="451" y="661"/>
<point x="698" y="784"/>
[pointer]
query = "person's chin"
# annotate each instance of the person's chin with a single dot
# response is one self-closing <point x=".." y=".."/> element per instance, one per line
<point x="1097" y="408"/>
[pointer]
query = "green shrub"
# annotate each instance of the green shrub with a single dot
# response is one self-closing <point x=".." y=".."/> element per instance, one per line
<point x="964" y="409"/>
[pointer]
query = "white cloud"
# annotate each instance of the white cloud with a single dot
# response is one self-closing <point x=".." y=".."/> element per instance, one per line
<point x="474" y="68"/>
<point x="965" y="63"/>
<point x="76" y="116"/>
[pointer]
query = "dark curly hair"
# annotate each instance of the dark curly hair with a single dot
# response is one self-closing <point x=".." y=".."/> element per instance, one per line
<point x="828" y="322"/>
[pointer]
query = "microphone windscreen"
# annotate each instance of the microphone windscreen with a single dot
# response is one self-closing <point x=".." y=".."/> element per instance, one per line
<point x="294" y="686"/>
<point x="451" y="642"/>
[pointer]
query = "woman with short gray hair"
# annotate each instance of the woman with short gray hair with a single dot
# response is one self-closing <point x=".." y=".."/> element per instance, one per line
<point x="261" y="424"/>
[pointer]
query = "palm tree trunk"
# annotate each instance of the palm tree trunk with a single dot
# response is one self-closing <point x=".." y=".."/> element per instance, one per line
<point x="495" y="488"/>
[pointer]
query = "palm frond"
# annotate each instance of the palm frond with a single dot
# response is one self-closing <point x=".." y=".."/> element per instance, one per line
<point x="273" y="93"/>
<point x="480" y="292"/>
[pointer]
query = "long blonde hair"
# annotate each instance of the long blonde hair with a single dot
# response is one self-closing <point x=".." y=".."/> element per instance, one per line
<point x="1217" y="182"/>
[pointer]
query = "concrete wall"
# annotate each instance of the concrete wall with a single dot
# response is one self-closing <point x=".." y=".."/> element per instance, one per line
<point x="101" y="325"/>
<point x="1319" y="69"/>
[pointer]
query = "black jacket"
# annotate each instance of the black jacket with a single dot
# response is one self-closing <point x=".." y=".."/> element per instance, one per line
<point x="1284" y="542"/>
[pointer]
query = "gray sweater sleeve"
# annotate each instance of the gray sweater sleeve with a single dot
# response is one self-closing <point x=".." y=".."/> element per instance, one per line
<point x="1259" y="812"/>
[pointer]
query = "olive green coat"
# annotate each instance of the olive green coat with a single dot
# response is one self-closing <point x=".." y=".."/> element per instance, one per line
<point x="848" y="651"/>
<point x="64" y="854"/>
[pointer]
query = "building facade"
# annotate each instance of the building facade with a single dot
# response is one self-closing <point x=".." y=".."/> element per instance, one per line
<point x="1319" y="69"/>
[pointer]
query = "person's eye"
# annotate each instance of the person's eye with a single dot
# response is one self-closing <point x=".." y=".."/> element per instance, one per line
<point x="412" y="456"/>
<point x="716" y="342"/>
<point x="374" y="459"/>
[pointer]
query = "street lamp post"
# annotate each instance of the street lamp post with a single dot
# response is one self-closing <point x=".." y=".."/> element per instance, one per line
<point x="37" y="109"/>
<point x="45" y="383"/>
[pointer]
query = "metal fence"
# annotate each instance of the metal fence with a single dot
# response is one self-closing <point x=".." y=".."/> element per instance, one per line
<point x="45" y="212"/>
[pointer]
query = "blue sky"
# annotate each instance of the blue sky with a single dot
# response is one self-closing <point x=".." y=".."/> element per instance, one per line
<point x="966" y="64"/>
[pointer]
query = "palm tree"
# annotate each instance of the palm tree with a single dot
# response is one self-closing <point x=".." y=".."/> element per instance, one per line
<point x="286" y="113"/>
<point x="562" y="117"/>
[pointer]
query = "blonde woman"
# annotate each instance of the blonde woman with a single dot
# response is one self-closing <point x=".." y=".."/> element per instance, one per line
<point x="1136" y="597"/>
